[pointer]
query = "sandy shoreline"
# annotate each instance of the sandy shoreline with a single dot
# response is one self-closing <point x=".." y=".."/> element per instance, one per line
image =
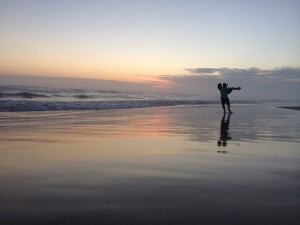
<point x="168" y="165"/>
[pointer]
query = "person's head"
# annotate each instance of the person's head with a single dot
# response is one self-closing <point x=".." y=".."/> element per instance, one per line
<point x="224" y="85"/>
<point x="219" y="86"/>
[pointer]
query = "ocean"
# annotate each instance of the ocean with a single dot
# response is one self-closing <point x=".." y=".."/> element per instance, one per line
<point x="26" y="98"/>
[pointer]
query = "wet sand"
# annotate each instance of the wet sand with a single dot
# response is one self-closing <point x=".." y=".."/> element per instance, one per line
<point x="169" y="165"/>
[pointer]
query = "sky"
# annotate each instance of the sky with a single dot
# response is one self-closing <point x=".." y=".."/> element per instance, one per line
<point x="171" y="45"/>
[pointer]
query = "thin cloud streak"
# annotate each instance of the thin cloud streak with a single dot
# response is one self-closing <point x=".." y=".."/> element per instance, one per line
<point x="276" y="73"/>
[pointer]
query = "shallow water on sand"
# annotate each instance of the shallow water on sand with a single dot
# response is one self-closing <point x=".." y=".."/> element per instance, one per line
<point x="169" y="165"/>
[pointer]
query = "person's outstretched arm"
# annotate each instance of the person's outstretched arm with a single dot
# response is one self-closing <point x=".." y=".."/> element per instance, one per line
<point x="236" y="88"/>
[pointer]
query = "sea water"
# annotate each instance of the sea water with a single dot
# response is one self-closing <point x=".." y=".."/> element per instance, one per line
<point x="27" y="98"/>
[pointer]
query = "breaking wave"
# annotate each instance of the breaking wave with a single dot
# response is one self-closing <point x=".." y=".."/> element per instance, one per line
<point x="26" y="95"/>
<point x="23" y="98"/>
<point x="18" y="106"/>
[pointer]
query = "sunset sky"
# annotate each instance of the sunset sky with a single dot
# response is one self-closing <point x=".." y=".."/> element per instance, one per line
<point x="140" y="40"/>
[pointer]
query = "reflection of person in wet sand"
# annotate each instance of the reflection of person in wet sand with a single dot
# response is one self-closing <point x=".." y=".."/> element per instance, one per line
<point x="224" y="91"/>
<point x="224" y="136"/>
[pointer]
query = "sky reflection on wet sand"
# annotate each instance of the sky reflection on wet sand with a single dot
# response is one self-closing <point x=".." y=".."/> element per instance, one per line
<point x="150" y="166"/>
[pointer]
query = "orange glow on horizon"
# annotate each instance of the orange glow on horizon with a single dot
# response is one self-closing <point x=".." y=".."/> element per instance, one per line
<point x="47" y="67"/>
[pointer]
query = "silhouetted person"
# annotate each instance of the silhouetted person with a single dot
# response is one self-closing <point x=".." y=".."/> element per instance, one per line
<point x="224" y="91"/>
<point x="224" y="136"/>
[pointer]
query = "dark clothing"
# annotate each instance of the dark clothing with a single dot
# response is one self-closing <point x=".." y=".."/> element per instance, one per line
<point x="225" y="101"/>
<point x="225" y="91"/>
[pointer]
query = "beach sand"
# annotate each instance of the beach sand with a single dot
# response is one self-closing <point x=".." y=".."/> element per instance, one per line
<point x="168" y="165"/>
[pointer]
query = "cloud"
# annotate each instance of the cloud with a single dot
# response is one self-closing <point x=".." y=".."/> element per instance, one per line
<point x="278" y="83"/>
<point x="205" y="71"/>
<point x="285" y="73"/>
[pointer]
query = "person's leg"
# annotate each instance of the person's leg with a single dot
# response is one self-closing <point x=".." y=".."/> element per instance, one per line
<point x="224" y="110"/>
<point x="223" y="105"/>
<point x="228" y="105"/>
